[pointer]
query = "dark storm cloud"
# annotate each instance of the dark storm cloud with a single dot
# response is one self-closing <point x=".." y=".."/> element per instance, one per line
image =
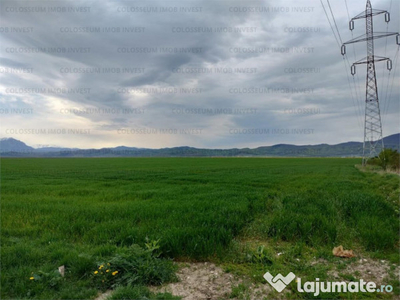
<point x="166" y="60"/>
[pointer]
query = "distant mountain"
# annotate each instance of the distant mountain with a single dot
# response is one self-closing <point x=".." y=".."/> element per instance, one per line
<point x="13" y="145"/>
<point x="54" y="149"/>
<point x="392" y="141"/>
<point x="124" y="148"/>
<point x="14" y="148"/>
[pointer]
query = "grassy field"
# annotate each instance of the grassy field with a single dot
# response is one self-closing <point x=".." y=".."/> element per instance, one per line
<point x="136" y="215"/>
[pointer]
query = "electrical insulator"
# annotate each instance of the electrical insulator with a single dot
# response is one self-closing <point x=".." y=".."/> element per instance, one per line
<point x="353" y="70"/>
<point x="351" y="25"/>
<point x="389" y="64"/>
<point x="343" y="50"/>
<point x="387" y="17"/>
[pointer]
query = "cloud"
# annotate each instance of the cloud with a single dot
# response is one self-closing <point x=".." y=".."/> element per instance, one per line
<point x="215" y="67"/>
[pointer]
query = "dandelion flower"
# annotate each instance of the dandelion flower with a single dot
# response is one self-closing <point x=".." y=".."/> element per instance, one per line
<point x="101" y="267"/>
<point x="95" y="272"/>
<point x="107" y="271"/>
<point x="115" y="272"/>
<point x="31" y="278"/>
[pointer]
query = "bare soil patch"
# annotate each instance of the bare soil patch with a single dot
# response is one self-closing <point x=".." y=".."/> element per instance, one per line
<point x="208" y="281"/>
<point x="378" y="271"/>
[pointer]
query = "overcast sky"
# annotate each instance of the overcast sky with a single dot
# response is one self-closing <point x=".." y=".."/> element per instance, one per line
<point x="211" y="74"/>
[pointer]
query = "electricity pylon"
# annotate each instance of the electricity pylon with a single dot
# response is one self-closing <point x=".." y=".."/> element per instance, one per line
<point x="373" y="139"/>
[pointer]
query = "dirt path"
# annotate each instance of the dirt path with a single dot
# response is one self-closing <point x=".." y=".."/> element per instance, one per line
<point x="200" y="281"/>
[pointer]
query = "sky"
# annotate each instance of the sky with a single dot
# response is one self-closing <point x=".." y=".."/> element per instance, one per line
<point x="206" y="74"/>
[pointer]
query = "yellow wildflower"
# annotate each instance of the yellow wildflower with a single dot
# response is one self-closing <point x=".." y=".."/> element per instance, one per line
<point x="107" y="271"/>
<point x="95" y="272"/>
<point x="101" y="267"/>
<point x="31" y="278"/>
<point x="115" y="272"/>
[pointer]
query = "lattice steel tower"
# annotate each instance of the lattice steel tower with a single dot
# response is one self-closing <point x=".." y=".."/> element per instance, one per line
<point x="373" y="142"/>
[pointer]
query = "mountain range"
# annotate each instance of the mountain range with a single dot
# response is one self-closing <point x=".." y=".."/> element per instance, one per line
<point x="10" y="147"/>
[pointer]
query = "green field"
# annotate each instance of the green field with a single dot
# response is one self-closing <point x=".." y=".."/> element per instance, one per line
<point x="81" y="212"/>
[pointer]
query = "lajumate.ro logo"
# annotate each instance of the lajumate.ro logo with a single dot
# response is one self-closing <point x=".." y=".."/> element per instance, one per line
<point x="279" y="283"/>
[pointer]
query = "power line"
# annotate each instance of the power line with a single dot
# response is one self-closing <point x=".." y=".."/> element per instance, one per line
<point x="387" y="105"/>
<point x="337" y="41"/>
<point x="359" y="119"/>
<point x="347" y="8"/>
<point x="357" y="85"/>
<point x="386" y="99"/>
<point x="383" y="67"/>
<point x="355" y="100"/>
<point x="340" y="38"/>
